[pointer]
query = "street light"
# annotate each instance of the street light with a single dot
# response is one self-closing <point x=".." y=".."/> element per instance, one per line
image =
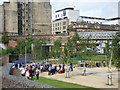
<point x="25" y="53"/>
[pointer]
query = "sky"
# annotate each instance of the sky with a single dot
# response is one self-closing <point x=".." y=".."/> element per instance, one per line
<point x="93" y="8"/>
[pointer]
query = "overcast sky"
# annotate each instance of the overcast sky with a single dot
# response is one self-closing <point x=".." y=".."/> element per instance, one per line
<point x="95" y="8"/>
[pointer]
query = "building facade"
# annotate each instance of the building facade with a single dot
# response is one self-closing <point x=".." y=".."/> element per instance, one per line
<point x="10" y="18"/>
<point x="97" y="33"/>
<point x="1" y="19"/>
<point x="27" y="18"/>
<point x="62" y="18"/>
<point x="60" y="26"/>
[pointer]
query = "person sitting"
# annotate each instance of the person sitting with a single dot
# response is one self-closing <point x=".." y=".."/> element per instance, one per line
<point x="59" y="67"/>
<point x="55" y="69"/>
<point x="50" y="70"/>
<point x="44" y="68"/>
<point x="23" y="72"/>
<point x="41" y="68"/>
<point x="27" y="75"/>
<point x="60" y="71"/>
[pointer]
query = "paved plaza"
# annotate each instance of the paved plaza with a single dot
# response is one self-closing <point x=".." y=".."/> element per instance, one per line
<point x="96" y="77"/>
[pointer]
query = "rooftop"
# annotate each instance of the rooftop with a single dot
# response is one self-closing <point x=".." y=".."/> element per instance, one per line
<point x="68" y="8"/>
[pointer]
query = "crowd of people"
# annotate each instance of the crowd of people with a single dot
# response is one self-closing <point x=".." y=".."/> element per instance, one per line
<point x="34" y="69"/>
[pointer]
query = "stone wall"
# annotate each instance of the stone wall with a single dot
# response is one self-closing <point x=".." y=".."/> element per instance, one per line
<point x="63" y="38"/>
<point x="4" y="59"/>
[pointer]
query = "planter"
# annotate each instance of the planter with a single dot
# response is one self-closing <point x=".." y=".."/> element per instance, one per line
<point x="16" y="72"/>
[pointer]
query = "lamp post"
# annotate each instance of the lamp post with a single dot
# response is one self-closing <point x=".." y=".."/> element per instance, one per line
<point x="25" y="53"/>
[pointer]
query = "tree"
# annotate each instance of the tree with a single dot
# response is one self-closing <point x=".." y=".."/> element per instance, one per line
<point x="68" y="51"/>
<point x="57" y="48"/>
<point x="10" y="50"/>
<point x="116" y="50"/>
<point x="38" y="49"/>
<point x="107" y="48"/>
<point x="5" y="39"/>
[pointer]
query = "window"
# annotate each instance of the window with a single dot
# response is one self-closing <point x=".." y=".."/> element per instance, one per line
<point x="56" y="16"/>
<point x="85" y="26"/>
<point x="29" y="4"/>
<point x="64" y="31"/>
<point x="32" y="30"/>
<point x="58" y="24"/>
<point x="26" y="30"/>
<point x="81" y="25"/>
<point x="53" y="25"/>
<point x="64" y="23"/>
<point x="58" y="28"/>
<point x="117" y="28"/>
<point x="26" y="20"/>
<point x="53" y="29"/>
<point x="73" y="26"/>
<point x="26" y="12"/>
<point x="26" y="4"/>
<point x="97" y="26"/>
<point x="64" y="13"/>
<point x="29" y="11"/>
<point x="64" y="27"/>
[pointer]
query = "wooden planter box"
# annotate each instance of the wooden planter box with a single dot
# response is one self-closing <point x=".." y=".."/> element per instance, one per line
<point x="16" y="72"/>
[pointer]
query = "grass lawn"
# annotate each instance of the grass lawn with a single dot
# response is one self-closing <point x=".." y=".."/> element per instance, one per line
<point x="61" y="84"/>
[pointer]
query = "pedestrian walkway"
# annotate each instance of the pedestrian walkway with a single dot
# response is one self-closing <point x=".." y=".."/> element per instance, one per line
<point x="93" y="78"/>
<point x="97" y="73"/>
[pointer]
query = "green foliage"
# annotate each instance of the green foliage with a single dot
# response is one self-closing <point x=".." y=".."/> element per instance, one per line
<point x="5" y="39"/>
<point x="10" y="50"/>
<point x="4" y="52"/>
<point x="107" y="49"/>
<point x="116" y="50"/>
<point x="75" y="38"/>
<point x="34" y="86"/>
<point x="39" y="50"/>
<point x="56" y="50"/>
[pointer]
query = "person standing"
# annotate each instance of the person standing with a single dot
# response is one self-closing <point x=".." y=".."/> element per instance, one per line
<point x="50" y="70"/>
<point x="37" y="73"/>
<point x="71" y="66"/>
<point x="31" y="71"/>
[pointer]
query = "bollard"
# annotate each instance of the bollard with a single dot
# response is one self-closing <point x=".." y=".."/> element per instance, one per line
<point x="109" y="79"/>
<point x="67" y="74"/>
<point x="84" y="72"/>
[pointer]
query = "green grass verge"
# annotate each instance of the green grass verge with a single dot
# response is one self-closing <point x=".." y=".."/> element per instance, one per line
<point x="61" y="84"/>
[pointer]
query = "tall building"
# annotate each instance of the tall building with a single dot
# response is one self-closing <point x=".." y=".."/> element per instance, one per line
<point x="27" y="18"/>
<point x="10" y="18"/>
<point x="62" y="18"/>
<point x="1" y="19"/>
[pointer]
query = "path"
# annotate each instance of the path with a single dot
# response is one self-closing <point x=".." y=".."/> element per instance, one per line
<point x="97" y="73"/>
<point x="93" y="79"/>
